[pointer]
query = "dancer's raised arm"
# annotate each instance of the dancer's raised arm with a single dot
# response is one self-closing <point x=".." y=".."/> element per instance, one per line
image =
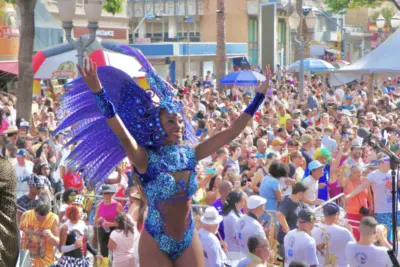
<point x="135" y="153"/>
<point x="215" y="142"/>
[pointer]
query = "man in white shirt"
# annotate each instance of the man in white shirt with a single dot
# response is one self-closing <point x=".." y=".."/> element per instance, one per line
<point x="364" y="253"/>
<point x="214" y="255"/>
<point x="327" y="141"/>
<point x="338" y="236"/>
<point x="311" y="183"/>
<point x="299" y="245"/>
<point x="258" y="252"/>
<point x="249" y="224"/>
<point x="381" y="183"/>
<point x="23" y="169"/>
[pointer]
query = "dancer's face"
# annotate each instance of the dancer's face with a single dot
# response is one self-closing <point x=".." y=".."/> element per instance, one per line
<point x="173" y="126"/>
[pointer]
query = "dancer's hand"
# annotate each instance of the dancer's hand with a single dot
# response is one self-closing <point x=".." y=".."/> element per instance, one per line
<point x="89" y="75"/>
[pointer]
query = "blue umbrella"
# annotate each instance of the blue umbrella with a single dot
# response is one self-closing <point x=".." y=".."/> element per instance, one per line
<point x="243" y="78"/>
<point x="312" y="65"/>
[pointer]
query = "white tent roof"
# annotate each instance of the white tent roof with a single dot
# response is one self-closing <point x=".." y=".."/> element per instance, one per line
<point x="383" y="59"/>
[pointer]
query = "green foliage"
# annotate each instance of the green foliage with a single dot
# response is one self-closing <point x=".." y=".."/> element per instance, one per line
<point x="11" y="1"/>
<point x="338" y="5"/>
<point x="113" y="6"/>
<point x="375" y="15"/>
<point x="387" y="13"/>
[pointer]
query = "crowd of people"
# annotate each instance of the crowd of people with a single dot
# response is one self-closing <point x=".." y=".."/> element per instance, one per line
<point x="256" y="197"/>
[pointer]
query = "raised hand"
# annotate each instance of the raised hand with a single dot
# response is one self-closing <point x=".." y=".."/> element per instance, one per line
<point x="89" y="75"/>
<point x="263" y="88"/>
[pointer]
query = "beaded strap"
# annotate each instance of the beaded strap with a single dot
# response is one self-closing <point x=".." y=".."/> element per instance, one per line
<point x="102" y="100"/>
<point x="255" y="104"/>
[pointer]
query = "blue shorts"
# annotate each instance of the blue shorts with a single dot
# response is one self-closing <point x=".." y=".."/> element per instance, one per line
<point x="386" y="219"/>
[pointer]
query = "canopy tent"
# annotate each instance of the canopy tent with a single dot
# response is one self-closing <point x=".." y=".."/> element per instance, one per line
<point x="383" y="59"/>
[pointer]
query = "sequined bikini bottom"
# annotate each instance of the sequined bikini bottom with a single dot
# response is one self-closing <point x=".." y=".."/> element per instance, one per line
<point x="155" y="226"/>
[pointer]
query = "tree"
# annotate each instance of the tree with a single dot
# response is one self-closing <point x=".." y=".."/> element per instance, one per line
<point x="221" y="48"/>
<point x="26" y="45"/>
<point x="26" y="41"/>
<point x="338" y="5"/>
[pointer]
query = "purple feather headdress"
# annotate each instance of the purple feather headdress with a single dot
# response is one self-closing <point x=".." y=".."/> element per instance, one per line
<point x="98" y="151"/>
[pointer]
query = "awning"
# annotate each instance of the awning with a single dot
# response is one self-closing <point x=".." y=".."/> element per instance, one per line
<point x="9" y="66"/>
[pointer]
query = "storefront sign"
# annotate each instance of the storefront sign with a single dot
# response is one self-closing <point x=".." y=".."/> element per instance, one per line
<point x="105" y="33"/>
<point x="143" y="40"/>
<point x="9" y="32"/>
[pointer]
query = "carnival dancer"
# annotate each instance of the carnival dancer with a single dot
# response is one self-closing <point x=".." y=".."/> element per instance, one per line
<point x="73" y="243"/>
<point x="116" y="118"/>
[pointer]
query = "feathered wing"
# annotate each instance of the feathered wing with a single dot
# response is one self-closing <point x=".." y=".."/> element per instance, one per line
<point x="98" y="150"/>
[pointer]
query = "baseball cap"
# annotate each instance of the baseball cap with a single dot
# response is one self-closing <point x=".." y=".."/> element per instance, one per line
<point x="315" y="164"/>
<point x="277" y="142"/>
<point x="21" y="153"/>
<point x="384" y="159"/>
<point x="305" y="216"/>
<point x="37" y="180"/>
<point x="255" y="201"/>
<point x="24" y="124"/>
<point x="330" y="208"/>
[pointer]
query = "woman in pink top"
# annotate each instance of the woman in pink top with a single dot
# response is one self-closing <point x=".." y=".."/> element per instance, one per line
<point x="354" y="204"/>
<point x="123" y="242"/>
<point x="3" y="123"/>
<point x="106" y="214"/>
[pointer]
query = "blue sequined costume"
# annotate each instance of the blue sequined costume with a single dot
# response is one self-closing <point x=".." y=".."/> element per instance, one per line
<point x="99" y="151"/>
<point x="161" y="187"/>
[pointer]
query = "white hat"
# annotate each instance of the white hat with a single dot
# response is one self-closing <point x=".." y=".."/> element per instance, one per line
<point x="211" y="216"/>
<point x="255" y="201"/>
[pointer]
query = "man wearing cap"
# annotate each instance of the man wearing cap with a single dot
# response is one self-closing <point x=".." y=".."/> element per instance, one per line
<point x="23" y="169"/>
<point x="299" y="245"/>
<point x="306" y="142"/>
<point x="276" y="147"/>
<point x="354" y="158"/>
<point x="29" y="201"/>
<point x="249" y="224"/>
<point x="380" y="182"/>
<point x="214" y="254"/>
<point x="338" y="236"/>
<point x="287" y="212"/>
<point x="364" y="253"/>
<point x="328" y="142"/>
<point x="258" y="252"/>
<point x="311" y="182"/>
<point x="23" y="128"/>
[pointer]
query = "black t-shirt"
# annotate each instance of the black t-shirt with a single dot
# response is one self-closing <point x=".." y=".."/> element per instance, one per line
<point x="290" y="210"/>
<point x="307" y="155"/>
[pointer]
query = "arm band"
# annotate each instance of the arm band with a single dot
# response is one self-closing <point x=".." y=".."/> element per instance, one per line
<point x="67" y="248"/>
<point x="255" y="104"/>
<point x="91" y="249"/>
<point x="103" y="102"/>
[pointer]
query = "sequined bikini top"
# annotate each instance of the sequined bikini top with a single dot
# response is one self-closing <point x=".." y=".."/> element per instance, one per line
<point x="158" y="183"/>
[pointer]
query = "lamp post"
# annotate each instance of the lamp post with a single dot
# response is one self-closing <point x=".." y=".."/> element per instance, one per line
<point x="380" y="24"/>
<point x="294" y="22"/>
<point x="188" y="20"/>
<point x="66" y="9"/>
<point x="160" y="17"/>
